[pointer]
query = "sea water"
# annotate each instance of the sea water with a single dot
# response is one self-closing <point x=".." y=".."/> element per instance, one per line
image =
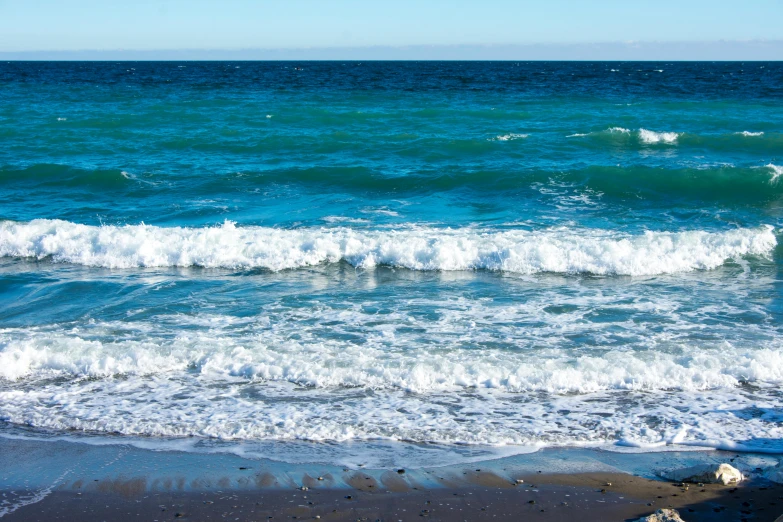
<point x="453" y="255"/>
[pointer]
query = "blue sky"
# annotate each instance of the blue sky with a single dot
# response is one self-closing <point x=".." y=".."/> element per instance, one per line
<point x="68" y="25"/>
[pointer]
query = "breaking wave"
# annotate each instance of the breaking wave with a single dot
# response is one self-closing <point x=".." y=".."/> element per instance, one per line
<point x="651" y="137"/>
<point x="556" y="250"/>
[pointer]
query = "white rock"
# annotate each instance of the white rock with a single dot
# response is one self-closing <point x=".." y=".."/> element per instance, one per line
<point x="662" y="515"/>
<point x="709" y="473"/>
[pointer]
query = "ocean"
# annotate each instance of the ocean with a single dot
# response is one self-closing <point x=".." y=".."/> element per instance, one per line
<point x="343" y="261"/>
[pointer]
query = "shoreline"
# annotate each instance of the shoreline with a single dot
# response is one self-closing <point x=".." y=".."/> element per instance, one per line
<point x="58" y="480"/>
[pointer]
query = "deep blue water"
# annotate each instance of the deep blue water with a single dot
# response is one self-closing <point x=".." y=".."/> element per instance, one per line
<point x="493" y="253"/>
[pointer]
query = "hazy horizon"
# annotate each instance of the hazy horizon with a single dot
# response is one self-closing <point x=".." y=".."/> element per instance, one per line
<point x="759" y="50"/>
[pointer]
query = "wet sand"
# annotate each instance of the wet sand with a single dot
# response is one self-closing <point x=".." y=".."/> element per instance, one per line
<point x="480" y="497"/>
<point x="121" y="483"/>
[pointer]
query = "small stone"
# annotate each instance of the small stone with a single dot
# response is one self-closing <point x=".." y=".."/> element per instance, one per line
<point x="531" y="501"/>
<point x="520" y="481"/>
<point x="608" y="484"/>
<point x="401" y="471"/>
<point x="320" y="478"/>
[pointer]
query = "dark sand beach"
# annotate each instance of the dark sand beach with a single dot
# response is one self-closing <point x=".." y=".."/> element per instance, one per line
<point x="67" y="481"/>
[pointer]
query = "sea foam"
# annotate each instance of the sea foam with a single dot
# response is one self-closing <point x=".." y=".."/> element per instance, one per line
<point x="509" y="137"/>
<point x="652" y="137"/>
<point x="329" y="364"/>
<point x="253" y="392"/>
<point x="777" y="171"/>
<point x="556" y="250"/>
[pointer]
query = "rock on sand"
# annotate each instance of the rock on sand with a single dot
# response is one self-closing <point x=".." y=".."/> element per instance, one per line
<point x="709" y="473"/>
<point x="662" y="515"/>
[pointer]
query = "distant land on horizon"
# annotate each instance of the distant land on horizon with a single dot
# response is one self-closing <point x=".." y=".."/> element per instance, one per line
<point x="755" y="50"/>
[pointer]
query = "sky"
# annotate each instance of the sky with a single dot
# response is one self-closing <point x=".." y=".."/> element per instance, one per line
<point x="65" y="26"/>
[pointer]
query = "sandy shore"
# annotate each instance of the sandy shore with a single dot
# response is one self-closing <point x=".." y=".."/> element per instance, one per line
<point x="551" y="498"/>
<point x="66" y="481"/>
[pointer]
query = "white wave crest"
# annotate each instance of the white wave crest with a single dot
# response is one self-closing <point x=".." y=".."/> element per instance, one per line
<point x="329" y="364"/>
<point x="749" y="133"/>
<point x="199" y="387"/>
<point x="620" y="130"/>
<point x="651" y="137"/>
<point x="777" y="171"/>
<point x="559" y="250"/>
<point x="509" y="137"/>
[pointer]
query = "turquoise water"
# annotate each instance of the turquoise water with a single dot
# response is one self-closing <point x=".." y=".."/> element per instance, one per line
<point x="493" y="254"/>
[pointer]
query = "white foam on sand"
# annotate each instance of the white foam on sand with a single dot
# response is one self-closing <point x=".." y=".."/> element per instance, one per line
<point x="14" y="500"/>
<point x="557" y="250"/>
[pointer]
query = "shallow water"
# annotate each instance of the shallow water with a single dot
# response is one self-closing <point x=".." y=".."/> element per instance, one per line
<point x="506" y="255"/>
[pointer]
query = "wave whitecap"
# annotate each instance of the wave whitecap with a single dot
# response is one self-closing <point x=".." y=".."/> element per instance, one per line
<point x="332" y="364"/>
<point x="652" y="137"/>
<point x="557" y="250"/>
<point x="777" y="171"/>
<point x="509" y="137"/>
<point x="195" y="387"/>
<point x="644" y="136"/>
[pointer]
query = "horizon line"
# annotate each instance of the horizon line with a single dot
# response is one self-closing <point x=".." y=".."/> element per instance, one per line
<point x="702" y="50"/>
